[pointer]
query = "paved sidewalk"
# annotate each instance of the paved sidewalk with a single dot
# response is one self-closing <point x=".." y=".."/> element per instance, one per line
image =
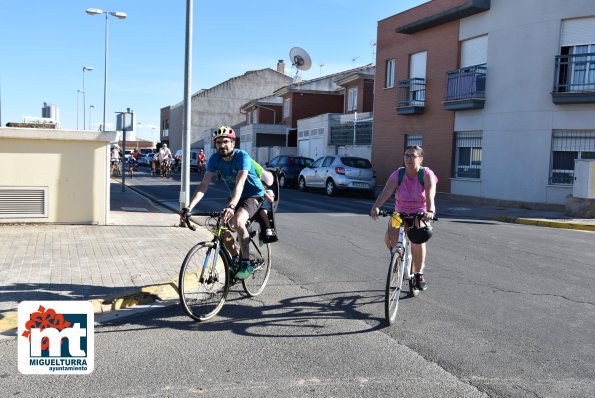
<point x="141" y="246"/>
<point x="138" y="255"/>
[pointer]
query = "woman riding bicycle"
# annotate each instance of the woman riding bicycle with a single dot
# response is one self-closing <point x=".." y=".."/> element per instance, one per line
<point x="412" y="197"/>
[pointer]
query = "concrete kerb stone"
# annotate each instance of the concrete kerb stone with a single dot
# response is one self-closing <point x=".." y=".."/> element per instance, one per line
<point x="145" y="295"/>
<point x="545" y="223"/>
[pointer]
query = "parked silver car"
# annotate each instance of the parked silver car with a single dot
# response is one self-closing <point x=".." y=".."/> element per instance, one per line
<point x="335" y="173"/>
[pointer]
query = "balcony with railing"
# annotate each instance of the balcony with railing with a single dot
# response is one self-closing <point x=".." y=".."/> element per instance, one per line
<point x="465" y="88"/>
<point x="574" y="79"/>
<point x="358" y="133"/>
<point x="411" y="96"/>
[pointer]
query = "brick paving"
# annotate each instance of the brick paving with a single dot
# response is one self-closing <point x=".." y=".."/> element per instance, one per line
<point x="142" y="245"/>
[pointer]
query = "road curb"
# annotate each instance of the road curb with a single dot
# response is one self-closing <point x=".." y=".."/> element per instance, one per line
<point x="144" y="295"/>
<point x="545" y="223"/>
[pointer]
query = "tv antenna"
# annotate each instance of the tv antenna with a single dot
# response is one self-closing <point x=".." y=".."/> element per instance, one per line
<point x="301" y="60"/>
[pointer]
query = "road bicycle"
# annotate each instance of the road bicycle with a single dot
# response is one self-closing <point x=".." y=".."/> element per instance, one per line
<point x="201" y="168"/>
<point x="116" y="168"/>
<point x="399" y="268"/>
<point x="208" y="271"/>
<point x="166" y="168"/>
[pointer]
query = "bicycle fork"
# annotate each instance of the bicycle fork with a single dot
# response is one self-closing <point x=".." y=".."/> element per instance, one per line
<point x="403" y="250"/>
<point x="208" y="274"/>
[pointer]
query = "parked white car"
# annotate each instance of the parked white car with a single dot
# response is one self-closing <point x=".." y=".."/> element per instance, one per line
<point x="334" y="173"/>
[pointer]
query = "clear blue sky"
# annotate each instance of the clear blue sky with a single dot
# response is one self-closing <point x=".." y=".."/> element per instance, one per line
<point x="45" y="44"/>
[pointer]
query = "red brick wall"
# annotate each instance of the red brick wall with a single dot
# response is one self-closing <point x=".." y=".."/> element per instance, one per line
<point x="365" y="95"/>
<point x="305" y="105"/>
<point x="265" y="115"/>
<point x="367" y="100"/>
<point x="435" y="124"/>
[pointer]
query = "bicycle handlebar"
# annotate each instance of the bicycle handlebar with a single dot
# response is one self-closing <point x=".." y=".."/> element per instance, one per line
<point x="387" y="213"/>
<point x="185" y="218"/>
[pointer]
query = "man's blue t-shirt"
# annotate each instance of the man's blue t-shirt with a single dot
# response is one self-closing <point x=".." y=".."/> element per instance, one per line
<point x="229" y="172"/>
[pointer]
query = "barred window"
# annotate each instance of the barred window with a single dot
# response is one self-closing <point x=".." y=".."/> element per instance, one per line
<point x="568" y="145"/>
<point x="468" y="155"/>
<point x="413" y="139"/>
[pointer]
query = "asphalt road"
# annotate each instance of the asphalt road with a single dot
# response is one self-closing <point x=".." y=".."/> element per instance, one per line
<point x="509" y="312"/>
<point x="510" y="308"/>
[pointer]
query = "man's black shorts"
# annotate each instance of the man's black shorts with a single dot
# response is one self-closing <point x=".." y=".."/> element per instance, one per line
<point x="251" y="205"/>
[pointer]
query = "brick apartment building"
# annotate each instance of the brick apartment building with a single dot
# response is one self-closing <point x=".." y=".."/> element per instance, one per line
<point x="422" y="53"/>
<point x="500" y="94"/>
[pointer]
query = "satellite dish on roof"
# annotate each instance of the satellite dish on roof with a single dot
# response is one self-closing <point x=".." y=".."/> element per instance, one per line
<point x="300" y="58"/>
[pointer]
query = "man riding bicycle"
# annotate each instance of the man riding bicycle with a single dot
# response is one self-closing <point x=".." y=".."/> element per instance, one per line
<point x="237" y="171"/>
<point x="411" y="196"/>
<point x="164" y="159"/>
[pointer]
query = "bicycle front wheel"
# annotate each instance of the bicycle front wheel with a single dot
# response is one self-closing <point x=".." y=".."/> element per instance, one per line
<point x="255" y="283"/>
<point x="394" y="283"/>
<point x="203" y="282"/>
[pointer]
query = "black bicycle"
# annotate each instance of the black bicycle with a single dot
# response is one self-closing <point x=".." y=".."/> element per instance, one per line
<point x="208" y="271"/>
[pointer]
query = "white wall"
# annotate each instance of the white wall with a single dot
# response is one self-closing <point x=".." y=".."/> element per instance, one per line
<point x="315" y="144"/>
<point x="72" y="166"/>
<point x="519" y="115"/>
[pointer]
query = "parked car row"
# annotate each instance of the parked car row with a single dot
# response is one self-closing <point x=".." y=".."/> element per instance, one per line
<point x="331" y="173"/>
<point x="334" y="173"/>
<point x="288" y="168"/>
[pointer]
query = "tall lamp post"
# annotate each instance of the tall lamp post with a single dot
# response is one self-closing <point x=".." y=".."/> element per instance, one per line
<point x="78" y="92"/>
<point x="139" y="124"/>
<point x="85" y="68"/>
<point x="90" y="107"/>
<point x="119" y="15"/>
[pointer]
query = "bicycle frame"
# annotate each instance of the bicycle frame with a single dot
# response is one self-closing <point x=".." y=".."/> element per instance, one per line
<point x="403" y="248"/>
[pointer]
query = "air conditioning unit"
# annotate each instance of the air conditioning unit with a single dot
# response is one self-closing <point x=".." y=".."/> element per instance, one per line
<point x="584" y="179"/>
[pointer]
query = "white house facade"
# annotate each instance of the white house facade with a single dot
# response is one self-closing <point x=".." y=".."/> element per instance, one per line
<point x="539" y="110"/>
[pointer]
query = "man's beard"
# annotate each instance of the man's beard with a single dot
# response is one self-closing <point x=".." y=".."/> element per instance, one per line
<point x="225" y="153"/>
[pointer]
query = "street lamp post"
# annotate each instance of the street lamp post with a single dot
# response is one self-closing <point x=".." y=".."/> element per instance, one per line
<point x="85" y="68"/>
<point x="78" y="92"/>
<point x="119" y="15"/>
<point x="139" y="124"/>
<point x="90" y="107"/>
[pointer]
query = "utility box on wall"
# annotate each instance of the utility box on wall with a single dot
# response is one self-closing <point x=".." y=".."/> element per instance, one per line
<point x="584" y="179"/>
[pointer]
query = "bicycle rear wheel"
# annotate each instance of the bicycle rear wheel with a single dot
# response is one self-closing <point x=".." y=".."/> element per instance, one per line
<point x="255" y="283"/>
<point x="394" y="283"/>
<point x="203" y="282"/>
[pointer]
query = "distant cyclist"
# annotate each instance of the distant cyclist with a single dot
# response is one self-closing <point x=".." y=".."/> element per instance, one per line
<point x="237" y="171"/>
<point x="165" y="158"/>
<point x="115" y="161"/>
<point x="202" y="161"/>
<point x="132" y="162"/>
<point x="411" y="197"/>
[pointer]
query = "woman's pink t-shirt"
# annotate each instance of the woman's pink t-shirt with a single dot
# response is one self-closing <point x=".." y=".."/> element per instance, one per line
<point x="410" y="196"/>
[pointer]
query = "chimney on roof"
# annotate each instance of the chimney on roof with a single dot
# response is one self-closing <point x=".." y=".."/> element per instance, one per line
<point x="281" y="66"/>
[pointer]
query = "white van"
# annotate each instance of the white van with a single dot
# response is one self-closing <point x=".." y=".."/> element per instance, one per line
<point x="193" y="158"/>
